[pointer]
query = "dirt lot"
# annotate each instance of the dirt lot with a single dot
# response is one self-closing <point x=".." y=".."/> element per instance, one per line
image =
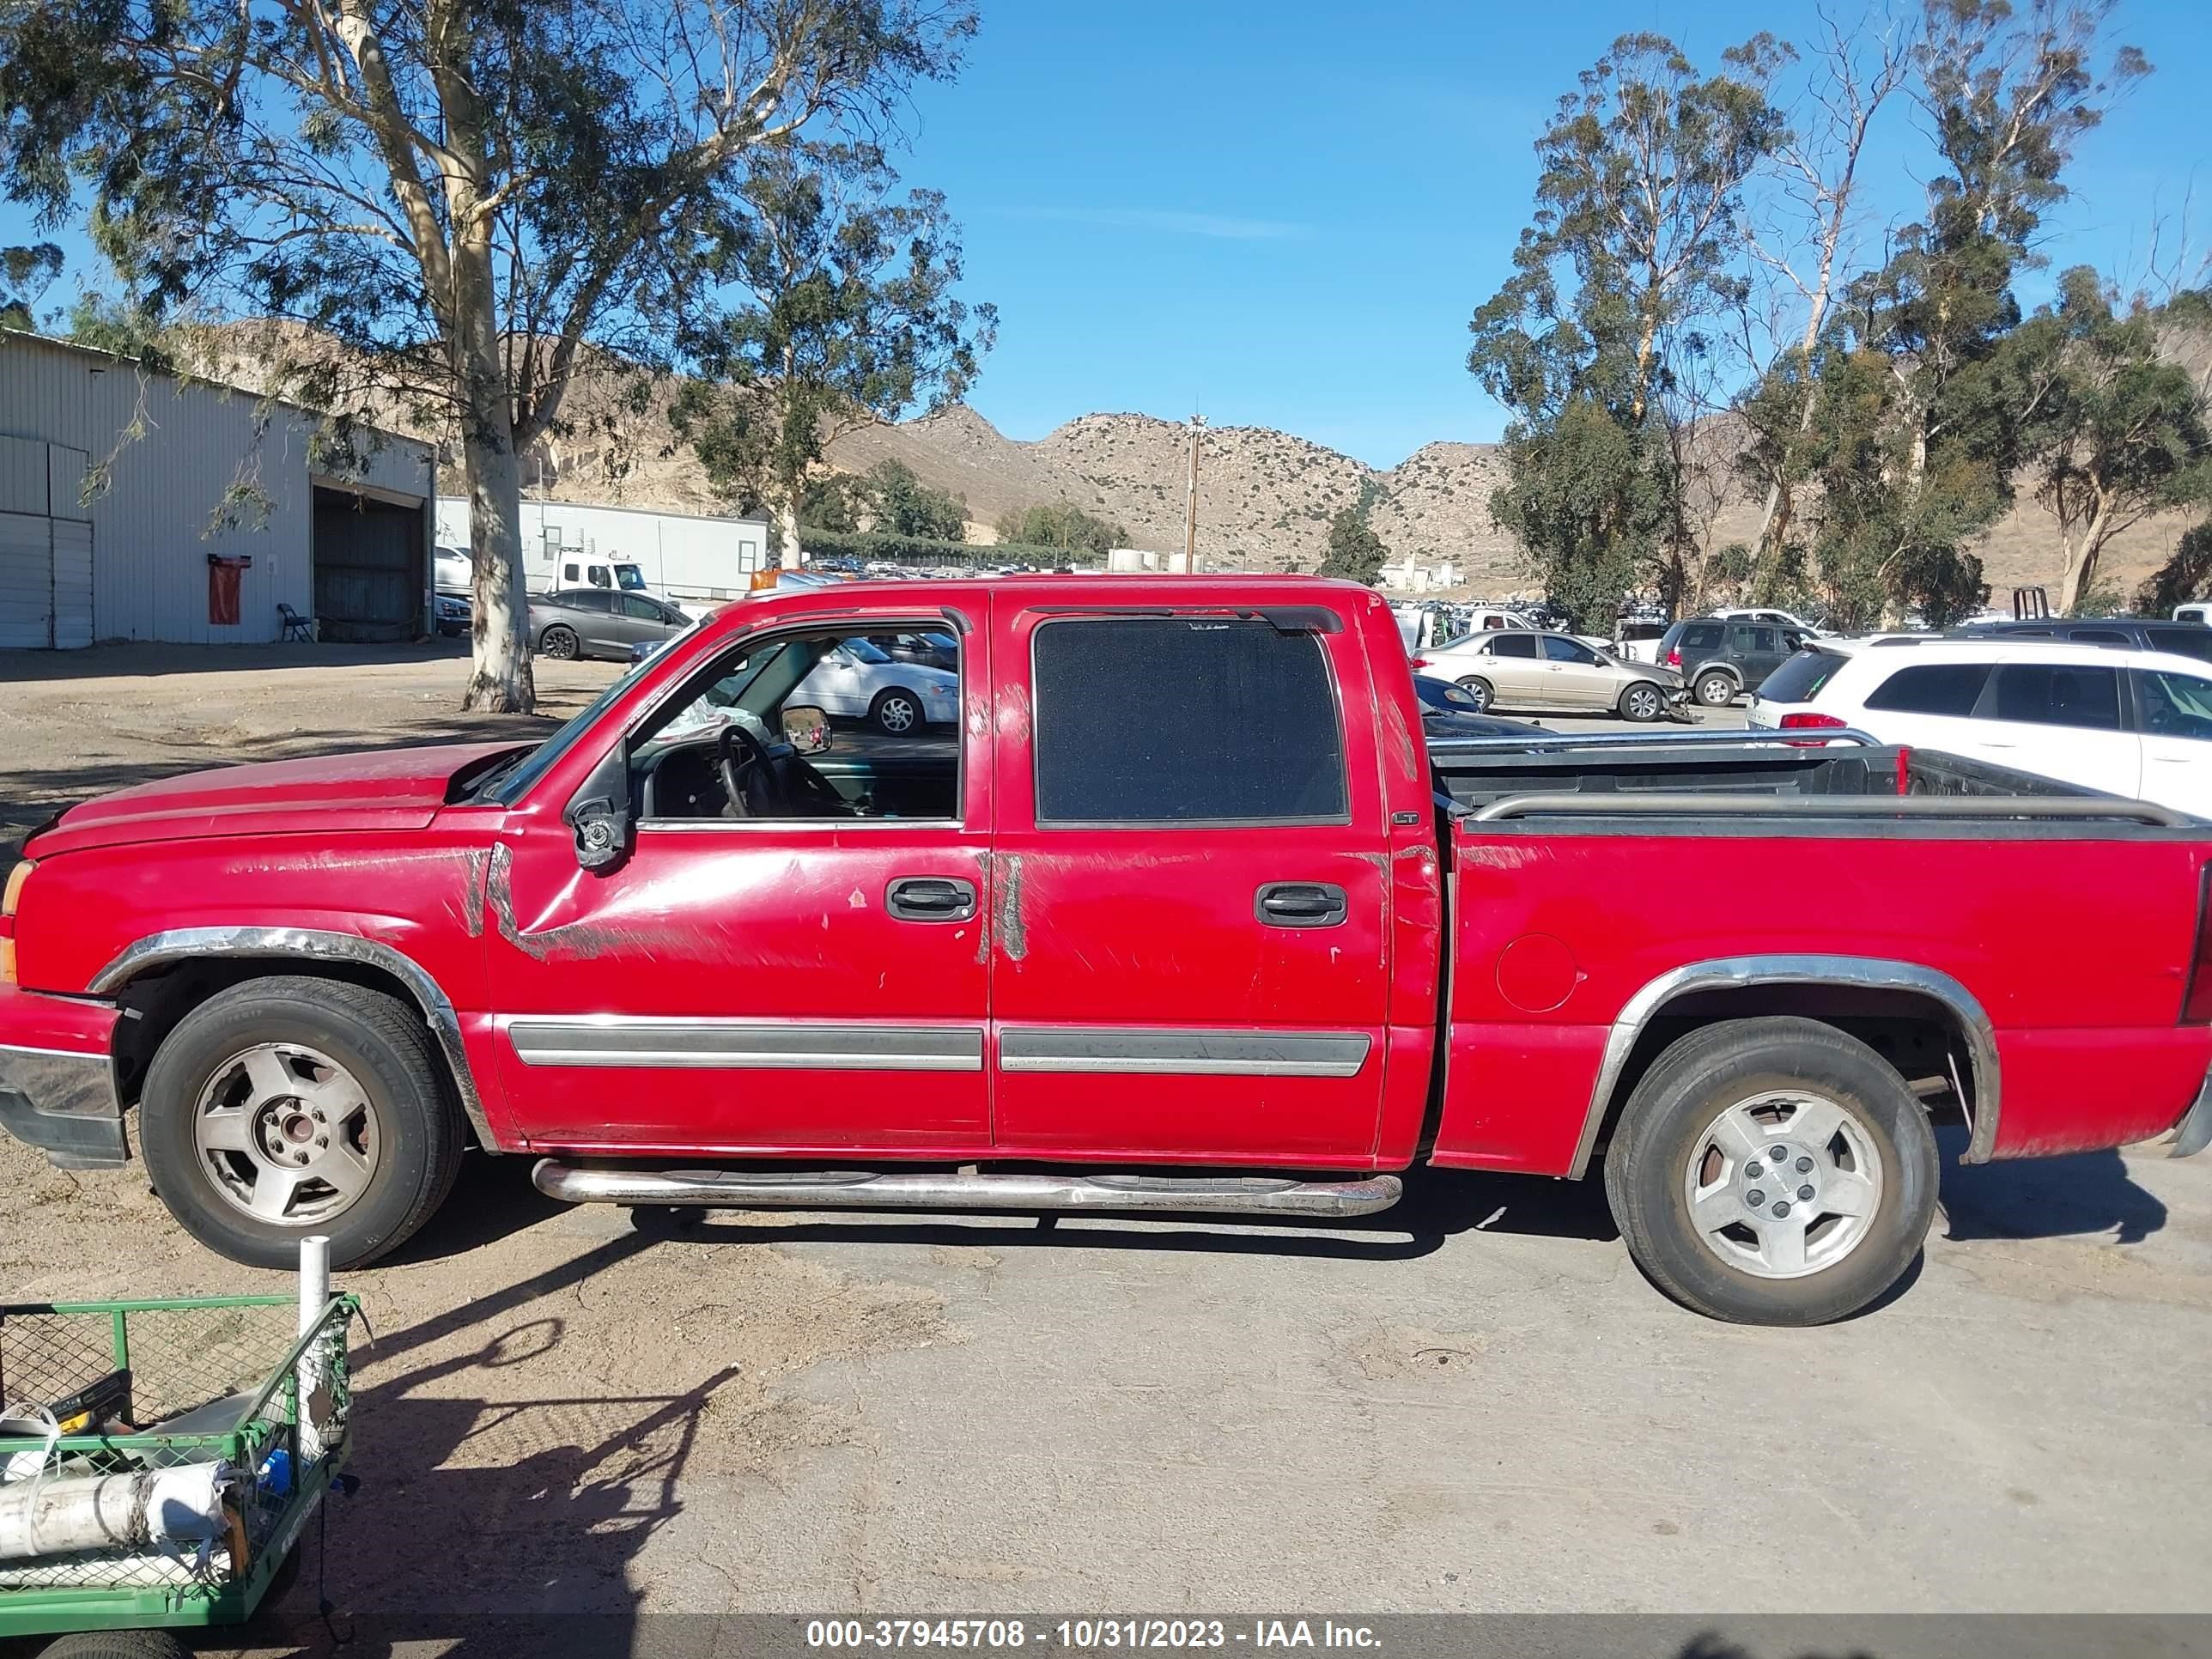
<point x="1472" y="1402"/>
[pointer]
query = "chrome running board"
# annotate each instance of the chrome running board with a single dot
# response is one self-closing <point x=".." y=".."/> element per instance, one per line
<point x="862" y="1190"/>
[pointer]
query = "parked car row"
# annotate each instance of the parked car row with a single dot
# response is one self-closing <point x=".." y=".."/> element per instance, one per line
<point x="2108" y="717"/>
<point x="901" y="684"/>
<point x="1517" y="669"/>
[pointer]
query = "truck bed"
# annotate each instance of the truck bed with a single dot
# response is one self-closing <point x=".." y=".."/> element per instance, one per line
<point x="1585" y="873"/>
<point x="1725" y="779"/>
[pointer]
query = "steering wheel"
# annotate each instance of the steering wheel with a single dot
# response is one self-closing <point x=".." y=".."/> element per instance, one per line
<point x="749" y="770"/>
<point x="772" y="780"/>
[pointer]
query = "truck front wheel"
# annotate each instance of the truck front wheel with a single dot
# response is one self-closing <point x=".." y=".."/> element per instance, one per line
<point x="1772" y="1172"/>
<point x="288" y="1106"/>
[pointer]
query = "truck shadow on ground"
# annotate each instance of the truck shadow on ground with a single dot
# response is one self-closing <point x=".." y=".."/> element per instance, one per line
<point x="483" y="1487"/>
<point x="2079" y="1194"/>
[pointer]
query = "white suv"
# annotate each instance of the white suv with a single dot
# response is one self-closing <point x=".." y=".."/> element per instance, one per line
<point x="2133" y="723"/>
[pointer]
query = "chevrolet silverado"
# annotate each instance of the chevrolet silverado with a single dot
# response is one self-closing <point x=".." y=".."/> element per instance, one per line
<point x="1183" y="913"/>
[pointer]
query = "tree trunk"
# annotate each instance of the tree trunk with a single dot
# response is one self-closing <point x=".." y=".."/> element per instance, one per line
<point x="500" y="678"/>
<point x="2079" y="573"/>
<point x="787" y="526"/>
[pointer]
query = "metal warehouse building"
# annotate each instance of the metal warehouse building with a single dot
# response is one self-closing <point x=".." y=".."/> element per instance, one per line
<point x="146" y="556"/>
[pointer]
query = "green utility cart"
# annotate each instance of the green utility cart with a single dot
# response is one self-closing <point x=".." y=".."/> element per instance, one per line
<point x="132" y="1388"/>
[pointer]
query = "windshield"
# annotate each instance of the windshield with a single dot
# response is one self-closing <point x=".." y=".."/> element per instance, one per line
<point x="631" y="578"/>
<point x="750" y="691"/>
<point x="508" y="783"/>
<point x="865" y="652"/>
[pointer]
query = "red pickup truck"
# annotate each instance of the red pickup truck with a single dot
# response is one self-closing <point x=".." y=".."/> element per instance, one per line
<point x="1173" y="907"/>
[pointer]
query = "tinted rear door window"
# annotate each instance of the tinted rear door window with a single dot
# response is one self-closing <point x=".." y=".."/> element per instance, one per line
<point x="1514" y="645"/>
<point x="1800" y="679"/>
<point x="1934" y="688"/>
<point x="2184" y="642"/>
<point x="1185" y="720"/>
<point x="2059" y="693"/>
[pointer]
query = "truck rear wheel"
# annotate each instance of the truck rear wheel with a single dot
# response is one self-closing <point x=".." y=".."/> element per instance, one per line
<point x="1772" y="1172"/>
<point x="288" y="1106"/>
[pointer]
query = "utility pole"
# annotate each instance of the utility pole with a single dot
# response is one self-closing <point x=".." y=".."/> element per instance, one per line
<point x="1190" y="520"/>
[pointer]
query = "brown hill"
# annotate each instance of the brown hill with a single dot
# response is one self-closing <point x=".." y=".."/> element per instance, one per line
<point x="1264" y="497"/>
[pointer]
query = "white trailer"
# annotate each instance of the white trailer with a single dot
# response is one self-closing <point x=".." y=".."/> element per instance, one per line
<point x="692" y="562"/>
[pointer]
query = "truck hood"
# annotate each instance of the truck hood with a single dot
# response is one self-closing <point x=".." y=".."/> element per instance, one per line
<point x="382" y="789"/>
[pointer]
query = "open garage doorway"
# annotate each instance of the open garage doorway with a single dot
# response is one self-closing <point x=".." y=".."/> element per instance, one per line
<point x="368" y="567"/>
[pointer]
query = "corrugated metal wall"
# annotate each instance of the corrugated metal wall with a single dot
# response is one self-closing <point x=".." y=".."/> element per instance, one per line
<point x="154" y="522"/>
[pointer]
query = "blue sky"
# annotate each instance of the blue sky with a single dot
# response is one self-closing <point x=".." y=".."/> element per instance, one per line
<point x="1252" y="208"/>
<point x="1255" y="210"/>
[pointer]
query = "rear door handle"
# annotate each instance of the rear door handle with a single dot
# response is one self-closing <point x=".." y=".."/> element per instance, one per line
<point x="1301" y="904"/>
<point x="931" y="898"/>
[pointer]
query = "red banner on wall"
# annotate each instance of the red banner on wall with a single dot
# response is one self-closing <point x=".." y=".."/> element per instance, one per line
<point x="222" y="588"/>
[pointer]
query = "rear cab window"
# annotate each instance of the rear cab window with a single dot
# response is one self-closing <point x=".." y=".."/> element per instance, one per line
<point x="1251" y="735"/>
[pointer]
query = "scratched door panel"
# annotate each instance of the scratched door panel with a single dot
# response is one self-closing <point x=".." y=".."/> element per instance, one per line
<point x="733" y="989"/>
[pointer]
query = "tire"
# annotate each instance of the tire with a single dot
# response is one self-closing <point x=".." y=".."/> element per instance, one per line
<point x="1479" y="689"/>
<point x="116" y="1645"/>
<point x="332" y="1094"/>
<point x="560" y="644"/>
<point x="1716" y="690"/>
<point x="898" y="712"/>
<point x="1666" y="1149"/>
<point x="1642" y="702"/>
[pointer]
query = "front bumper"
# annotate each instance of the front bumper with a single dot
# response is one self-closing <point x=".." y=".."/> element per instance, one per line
<point x="57" y="1082"/>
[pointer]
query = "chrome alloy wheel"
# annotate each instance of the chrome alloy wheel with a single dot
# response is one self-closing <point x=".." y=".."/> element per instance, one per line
<point x="285" y="1134"/>
<point x="1783" y="1184"/>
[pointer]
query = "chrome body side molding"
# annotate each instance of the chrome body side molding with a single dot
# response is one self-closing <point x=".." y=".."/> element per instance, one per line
<point x="1862" y="973"/>
<point x="313" y="945"/>
<point x="1172" y="1049"/>
<point x="742" y="1044"/>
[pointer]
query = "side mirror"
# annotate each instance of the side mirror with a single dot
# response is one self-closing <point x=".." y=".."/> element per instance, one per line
<point x="806" y="728"/>
<point x="599" y="813"/>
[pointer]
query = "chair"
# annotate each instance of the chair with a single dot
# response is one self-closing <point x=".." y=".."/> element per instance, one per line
<point x="296" y="627"/>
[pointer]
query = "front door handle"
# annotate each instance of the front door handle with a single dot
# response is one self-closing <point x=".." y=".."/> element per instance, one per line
<point x="931" y="898"/>
<point x="1301" y="904"/>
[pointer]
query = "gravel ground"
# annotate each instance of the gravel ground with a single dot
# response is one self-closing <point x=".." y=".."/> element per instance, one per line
<point x="1478" y="1406"/>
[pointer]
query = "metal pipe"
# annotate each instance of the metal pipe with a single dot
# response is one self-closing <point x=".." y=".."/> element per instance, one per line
<point x="313" y="1374"/>
<point x="1624" y="803"/>
<point x="861" y="1190"/>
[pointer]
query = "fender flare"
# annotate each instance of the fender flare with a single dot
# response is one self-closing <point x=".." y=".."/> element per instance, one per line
<point x="1862" y="973"/>
<point x="314" y="944"/>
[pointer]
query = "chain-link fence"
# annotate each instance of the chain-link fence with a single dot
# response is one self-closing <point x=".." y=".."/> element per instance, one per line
<point x="137" y="1387"/>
